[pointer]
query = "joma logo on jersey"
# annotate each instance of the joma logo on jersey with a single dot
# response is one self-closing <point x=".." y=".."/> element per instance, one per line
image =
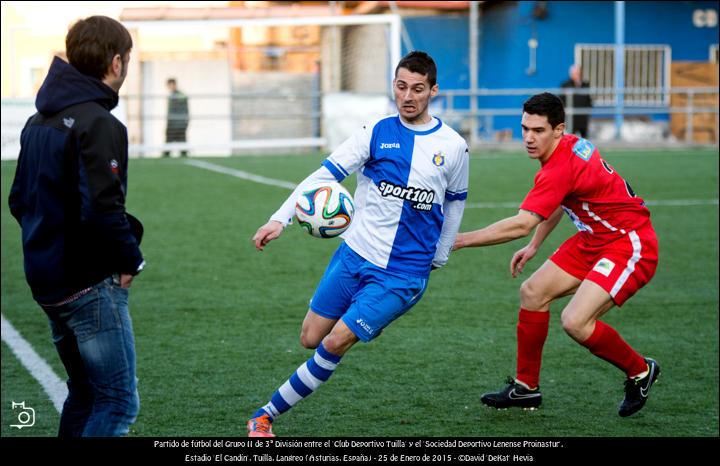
<point x="365" y="326"/>
<point x="421" y="198"/>
<point x="389" y="145"/>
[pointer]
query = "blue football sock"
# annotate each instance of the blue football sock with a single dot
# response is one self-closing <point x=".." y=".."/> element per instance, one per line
<point x="306" y="379"/>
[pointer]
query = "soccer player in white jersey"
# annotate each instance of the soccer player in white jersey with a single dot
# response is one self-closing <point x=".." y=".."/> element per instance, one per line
<point x="412" y="175"/>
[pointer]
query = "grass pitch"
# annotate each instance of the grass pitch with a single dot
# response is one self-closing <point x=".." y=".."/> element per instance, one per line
<point x="217" y="323"/>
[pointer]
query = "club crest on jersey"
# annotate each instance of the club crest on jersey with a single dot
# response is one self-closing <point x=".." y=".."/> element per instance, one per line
<point x="114" y="166"/>
<point x="583" y="149"/>
<point x="439" y="159"/>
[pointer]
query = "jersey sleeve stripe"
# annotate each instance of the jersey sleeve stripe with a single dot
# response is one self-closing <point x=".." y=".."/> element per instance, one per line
<point x="334" y="170"/>
<point x="342" y="170"/>
<point x="450" y="196"/>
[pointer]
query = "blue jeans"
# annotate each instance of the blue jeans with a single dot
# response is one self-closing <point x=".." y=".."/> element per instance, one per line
<point x="94" y="338"/>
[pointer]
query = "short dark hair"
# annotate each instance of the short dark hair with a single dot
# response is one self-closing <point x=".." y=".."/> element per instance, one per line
<point x="421" y="63"/>
<point x="91" y="44"/>
<point x="548" y="105"/>
<point x="171" y="81"/>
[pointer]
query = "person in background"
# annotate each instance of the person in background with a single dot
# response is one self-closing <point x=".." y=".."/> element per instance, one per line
<point x="178" y="117"/>
<point x="580" y="122"/>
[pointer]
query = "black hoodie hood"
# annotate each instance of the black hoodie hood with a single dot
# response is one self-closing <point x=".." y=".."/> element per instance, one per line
<point x="65" y="86"/>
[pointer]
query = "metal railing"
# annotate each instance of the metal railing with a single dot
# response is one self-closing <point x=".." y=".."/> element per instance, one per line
<point x="233" y="121"/>
<point x="646" y="66"/>
<point x="297" y="119"/>
<point x="687" y="101"/>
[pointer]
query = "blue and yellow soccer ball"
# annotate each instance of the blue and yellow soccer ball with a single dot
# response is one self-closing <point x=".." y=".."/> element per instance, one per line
<point x="325" y="210"/>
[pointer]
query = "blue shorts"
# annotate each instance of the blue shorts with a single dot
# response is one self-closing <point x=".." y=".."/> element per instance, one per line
<point x="365" y="296"/>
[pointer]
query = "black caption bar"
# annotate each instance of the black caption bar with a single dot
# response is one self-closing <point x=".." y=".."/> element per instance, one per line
<point x="490" y="451"/>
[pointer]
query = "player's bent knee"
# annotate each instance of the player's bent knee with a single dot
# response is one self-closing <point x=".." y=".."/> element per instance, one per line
<point x="578" y="329"/>
<point x="309" y="344"/>
<point x="337" y="343"/>
<point x="568" y="325"/>
<point x="309" y="341"/>
<point x="531" y="296"/>
<point x="333" y="343"/>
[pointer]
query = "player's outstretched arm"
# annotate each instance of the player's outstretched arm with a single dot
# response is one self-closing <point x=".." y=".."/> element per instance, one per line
<point x="499" y="232"/>
<point x="266" y="233"/>
<point x="521" y="257"/>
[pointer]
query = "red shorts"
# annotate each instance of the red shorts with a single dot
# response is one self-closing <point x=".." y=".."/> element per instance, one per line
<point x="621" y="266"/>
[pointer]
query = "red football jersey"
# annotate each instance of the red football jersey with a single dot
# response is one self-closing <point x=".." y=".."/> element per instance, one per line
<point x="595" y="197"/>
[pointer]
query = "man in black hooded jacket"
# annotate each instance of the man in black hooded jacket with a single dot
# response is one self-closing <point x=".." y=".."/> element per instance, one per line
<point x="81" y="249"/>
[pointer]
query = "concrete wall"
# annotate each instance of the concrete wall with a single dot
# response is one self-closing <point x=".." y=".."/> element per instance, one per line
<point x="208" y="85"/>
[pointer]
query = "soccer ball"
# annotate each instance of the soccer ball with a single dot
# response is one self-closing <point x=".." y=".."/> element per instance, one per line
<point x="325" y="210"/>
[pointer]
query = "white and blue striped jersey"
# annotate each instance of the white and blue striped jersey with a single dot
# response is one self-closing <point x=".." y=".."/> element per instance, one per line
<point x="411" y="186"/>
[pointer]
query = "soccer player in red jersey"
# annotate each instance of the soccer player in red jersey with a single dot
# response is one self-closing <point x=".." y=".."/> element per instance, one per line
<point x="614" y="254"/>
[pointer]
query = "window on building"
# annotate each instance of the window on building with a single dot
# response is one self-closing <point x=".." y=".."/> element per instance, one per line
<point x="647" y="73"/>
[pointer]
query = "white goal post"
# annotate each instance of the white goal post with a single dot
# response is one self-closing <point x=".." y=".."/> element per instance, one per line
<point x="146" y="104"/>
<point x="392" y="20"/>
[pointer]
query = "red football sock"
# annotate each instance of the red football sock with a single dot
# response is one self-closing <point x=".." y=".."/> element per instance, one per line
<point x="532" y="330"/>
<point x="607" y="344"/>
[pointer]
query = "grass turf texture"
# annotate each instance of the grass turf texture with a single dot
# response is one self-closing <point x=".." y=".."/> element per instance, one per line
<point x="217" y="323"/>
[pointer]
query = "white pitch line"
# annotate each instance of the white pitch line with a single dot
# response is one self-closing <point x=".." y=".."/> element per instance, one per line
<point x="470" y="205"/>
<point x="682" y="202"/>
<point x="241" y="174"/>
<point x="519" y="154"/>
<point x="658" y="203"/>
<point x="35" y="365"/>
<point x="491" y="205"/>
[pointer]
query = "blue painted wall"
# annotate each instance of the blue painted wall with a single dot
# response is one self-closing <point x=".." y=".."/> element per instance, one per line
<point x="446" y="39"/>
<point x="506" y="28"/>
